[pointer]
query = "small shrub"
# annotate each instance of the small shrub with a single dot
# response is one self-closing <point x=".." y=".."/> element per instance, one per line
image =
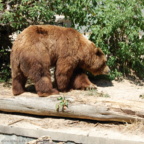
<point x="62" y="105"/>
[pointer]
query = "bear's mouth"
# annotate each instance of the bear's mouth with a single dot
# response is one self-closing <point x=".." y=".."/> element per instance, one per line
<point x="103" y="71"/>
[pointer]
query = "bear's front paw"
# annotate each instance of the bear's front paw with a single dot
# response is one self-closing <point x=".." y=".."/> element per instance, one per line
<point x="91" y="86"/>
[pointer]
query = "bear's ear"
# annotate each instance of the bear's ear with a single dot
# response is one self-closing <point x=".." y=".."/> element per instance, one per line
<point x="99" y="52"/>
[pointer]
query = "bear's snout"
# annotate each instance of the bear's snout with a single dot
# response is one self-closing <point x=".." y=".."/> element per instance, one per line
<point x="106" y="70"/>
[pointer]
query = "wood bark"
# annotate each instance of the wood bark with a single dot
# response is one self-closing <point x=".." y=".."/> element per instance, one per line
<point x="102" y="109"/>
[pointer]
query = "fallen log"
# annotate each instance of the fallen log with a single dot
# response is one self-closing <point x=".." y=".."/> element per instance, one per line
<point x="92" y="108"/>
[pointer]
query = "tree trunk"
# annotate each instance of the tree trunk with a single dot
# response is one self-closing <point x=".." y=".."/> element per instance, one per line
<point x="102" y="109"/>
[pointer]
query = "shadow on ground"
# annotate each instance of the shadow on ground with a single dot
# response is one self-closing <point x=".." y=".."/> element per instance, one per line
<point x="103" y="83"/>
<point x="31" y="88"/>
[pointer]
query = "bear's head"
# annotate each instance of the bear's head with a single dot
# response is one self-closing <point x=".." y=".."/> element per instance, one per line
<point x="95" y="61"/>
<point x="99" y="63"/>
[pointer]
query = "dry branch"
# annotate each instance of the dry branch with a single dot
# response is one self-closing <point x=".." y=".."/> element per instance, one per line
<point x="103" y="109"/>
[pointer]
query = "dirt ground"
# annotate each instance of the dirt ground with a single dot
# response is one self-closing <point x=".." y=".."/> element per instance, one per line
<point x="122" y="90"/>
<point x="125" y="90"/>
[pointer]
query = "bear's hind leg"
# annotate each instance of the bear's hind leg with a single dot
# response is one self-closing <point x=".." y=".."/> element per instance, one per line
<point x="18" y="83"/>
<point x="39" y="73"/>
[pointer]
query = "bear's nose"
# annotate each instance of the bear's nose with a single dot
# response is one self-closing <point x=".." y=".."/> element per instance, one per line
<point x="107" y="70"/>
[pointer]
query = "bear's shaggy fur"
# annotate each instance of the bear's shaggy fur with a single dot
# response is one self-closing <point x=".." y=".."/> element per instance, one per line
<point x="40" y="47"/>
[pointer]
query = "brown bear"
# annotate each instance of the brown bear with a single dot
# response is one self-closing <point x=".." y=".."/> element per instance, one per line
<point x="40" y="47"/>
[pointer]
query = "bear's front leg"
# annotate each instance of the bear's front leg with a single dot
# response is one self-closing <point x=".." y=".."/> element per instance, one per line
<point x="63" y="73"/>
<point x="81" y="81"/>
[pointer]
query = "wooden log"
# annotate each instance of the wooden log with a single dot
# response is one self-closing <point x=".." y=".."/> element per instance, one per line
<point x="101" y="109"/>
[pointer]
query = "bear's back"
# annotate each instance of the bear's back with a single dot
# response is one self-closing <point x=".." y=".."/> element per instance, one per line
<point x="54" y="40"/>
<point x="47" y="34"/>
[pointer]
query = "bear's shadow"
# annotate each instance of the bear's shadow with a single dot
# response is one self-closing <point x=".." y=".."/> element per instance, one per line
<point x="102" y="83"/>
<point x="31" y="88"/>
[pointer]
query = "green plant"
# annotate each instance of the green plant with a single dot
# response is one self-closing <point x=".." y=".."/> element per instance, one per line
<point x="104" y="95"/>
<point x="115" y="26"/>
<point x="62" y="105"/>
<point x="15" y="16"/>
<point x="4" y="62"/>
<point x="94" y="92"/>
<point x="141" y="96"/>
<point x="20" y="14"/>
<point x="91" y="92"/>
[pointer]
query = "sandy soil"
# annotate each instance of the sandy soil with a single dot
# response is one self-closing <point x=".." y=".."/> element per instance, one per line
<point x="120" y="90"/>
